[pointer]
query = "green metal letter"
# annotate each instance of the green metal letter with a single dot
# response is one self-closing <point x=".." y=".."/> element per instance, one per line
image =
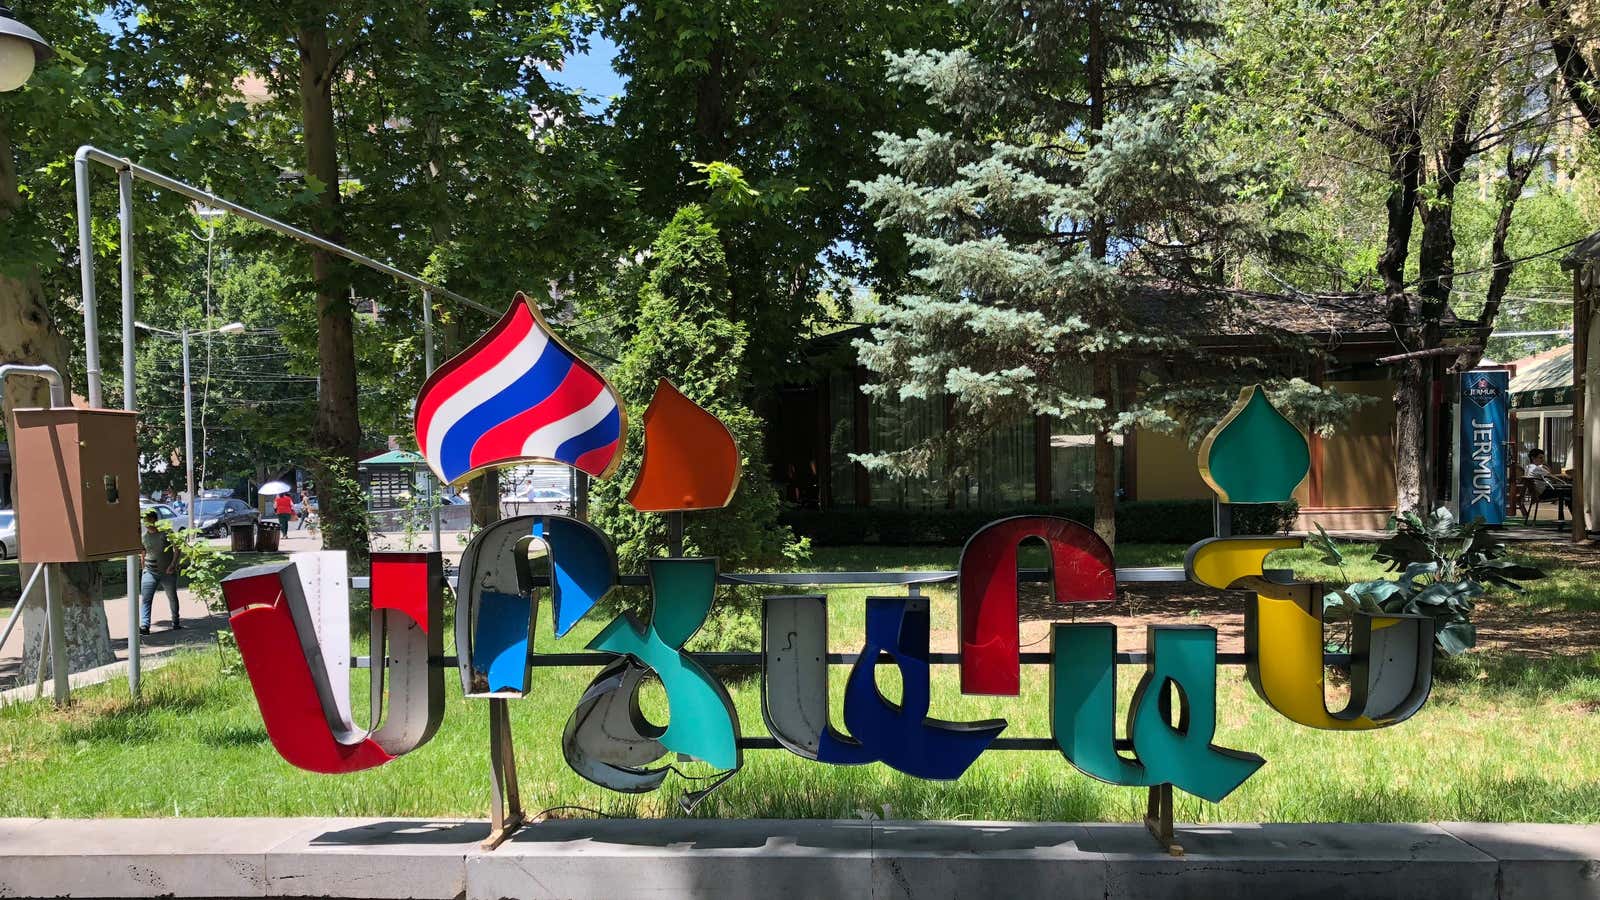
<point x="701" y="721"/>
<point x="1182" y="661"/>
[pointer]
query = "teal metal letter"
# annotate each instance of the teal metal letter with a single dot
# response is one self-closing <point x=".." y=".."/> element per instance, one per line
<point x="701" y="721"/>
<point x="1182" y="661"/>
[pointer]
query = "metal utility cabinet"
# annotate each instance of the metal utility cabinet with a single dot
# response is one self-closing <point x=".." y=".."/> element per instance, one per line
<point x="78" y="494"/>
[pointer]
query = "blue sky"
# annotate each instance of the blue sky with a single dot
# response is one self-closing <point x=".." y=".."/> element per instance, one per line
<point x="591" y="71"/>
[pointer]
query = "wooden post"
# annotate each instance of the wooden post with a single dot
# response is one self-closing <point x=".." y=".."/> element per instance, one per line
<point x="1042" y="474"/>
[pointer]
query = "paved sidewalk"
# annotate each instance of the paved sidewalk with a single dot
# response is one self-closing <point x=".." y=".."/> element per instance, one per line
<point x="777" y="859"/>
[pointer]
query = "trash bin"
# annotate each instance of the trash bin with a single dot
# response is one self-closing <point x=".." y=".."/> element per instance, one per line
<point x="244" y="537"/>
<point x="267" y="537"/>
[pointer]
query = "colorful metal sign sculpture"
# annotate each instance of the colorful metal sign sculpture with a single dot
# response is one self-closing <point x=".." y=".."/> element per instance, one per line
<point x="293" y="630"/>
<point x="1254" y="455"/>
<point x="690" y="459"/>
<point x="518" y="395"/>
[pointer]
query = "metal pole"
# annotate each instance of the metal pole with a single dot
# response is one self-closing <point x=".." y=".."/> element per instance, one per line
<point x="675" y="536"/>
<point x="91" y="321"/>
<point x="427" y="367"/>
<point x="87" y="153"/>
<point x="59" y="670"/>
<point x="188" y="428"/>
<point x="16" y="611"/>
<point x="125" y="195"/>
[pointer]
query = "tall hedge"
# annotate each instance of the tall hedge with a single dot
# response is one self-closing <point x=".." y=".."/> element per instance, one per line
<point x="684" y="335"/>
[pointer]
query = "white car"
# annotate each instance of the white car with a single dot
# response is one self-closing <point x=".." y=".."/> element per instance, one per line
<point x="8" y="533"/>
<point x="164" y="512"/>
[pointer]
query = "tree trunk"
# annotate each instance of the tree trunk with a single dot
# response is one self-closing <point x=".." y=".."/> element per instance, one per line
<point x="1577" y="76"/>
<point x="1403" y="143"/>
<point x="1105" y="456"/>
<point x="338" y="429"/>
<point x="28" y="335"/>
<point x="1517" y="173"/>
<point x="1105" y="460"/>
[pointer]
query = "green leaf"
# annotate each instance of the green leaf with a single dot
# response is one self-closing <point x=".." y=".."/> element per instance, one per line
<point x="1456" y="637"/>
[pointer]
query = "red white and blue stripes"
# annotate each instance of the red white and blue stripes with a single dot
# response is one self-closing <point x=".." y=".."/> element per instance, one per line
<point x="518" y="395"/>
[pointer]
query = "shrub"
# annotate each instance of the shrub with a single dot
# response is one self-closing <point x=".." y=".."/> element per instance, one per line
<point x="684" y="335"/>
<point x="1264" y="518"/>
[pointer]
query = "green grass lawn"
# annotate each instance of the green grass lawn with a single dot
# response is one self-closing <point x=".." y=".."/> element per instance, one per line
<point x="1503" y="739"/>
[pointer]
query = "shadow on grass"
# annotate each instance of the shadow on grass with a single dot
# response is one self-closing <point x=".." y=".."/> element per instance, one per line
<point x="235" y="736"/>
<point x="1523" y="678"/>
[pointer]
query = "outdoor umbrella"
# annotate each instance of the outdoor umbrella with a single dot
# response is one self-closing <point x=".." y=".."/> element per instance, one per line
<point x="273" y="488"/>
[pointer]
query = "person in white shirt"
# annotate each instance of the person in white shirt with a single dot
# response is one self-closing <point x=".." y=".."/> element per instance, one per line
<point x="1549" y="485"/>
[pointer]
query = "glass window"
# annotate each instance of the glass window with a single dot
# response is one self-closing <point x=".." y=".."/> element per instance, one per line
<point x="1001" y="473"/>
<point x="1558" y="439"/>
<point x="842" y="437"/>
<point x="1527" y="436"/>
<point x="898" y="425"/>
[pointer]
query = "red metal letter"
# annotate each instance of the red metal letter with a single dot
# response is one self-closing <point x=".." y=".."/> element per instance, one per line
<point x="1082" y="570"/>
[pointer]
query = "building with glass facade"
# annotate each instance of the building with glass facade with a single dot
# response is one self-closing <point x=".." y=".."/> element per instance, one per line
<point x="818" y="423"/>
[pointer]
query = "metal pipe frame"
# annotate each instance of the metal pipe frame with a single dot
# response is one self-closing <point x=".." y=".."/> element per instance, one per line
<point x="125" y="206"/>
<point x="127" y="171"/>
<point x="88" y="153"/>
<point x="55" y="633"/>
<point x="912" y="581"/>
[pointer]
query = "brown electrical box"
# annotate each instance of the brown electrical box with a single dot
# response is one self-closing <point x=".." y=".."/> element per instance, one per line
<point x="77" y="484"/>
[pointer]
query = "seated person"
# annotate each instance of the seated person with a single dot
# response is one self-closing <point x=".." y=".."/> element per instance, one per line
<point x="1549" y="485"/>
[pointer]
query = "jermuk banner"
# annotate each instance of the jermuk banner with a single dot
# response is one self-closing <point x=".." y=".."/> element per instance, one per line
<point x="1485" y="428"/>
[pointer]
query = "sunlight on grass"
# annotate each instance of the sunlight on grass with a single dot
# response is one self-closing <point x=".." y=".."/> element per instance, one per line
<point x="1503" y="739"/>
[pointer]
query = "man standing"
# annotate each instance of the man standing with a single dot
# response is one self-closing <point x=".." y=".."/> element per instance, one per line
<point x="160" y="570"/>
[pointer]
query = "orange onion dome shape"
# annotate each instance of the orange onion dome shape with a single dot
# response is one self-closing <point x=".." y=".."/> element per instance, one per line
<point x="690" y="459"/>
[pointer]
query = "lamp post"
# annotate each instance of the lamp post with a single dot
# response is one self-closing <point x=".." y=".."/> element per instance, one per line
<point x="188" y="399"/>
<point x="21" y="48"/>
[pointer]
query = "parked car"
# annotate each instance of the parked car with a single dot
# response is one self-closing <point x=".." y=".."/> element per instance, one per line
<point x="8" y="533"/>
<point x="214" y="517"/>
<point x="165" y="512"/>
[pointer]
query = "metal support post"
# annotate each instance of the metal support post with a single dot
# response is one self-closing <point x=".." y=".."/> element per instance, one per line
<point x="427" y="368"/>
<point x="125" y="196"/>
<point x="505" y="800"/>
<point x="55" y="616"/>
<point x="1158" y="818"/>
<point x="675" y="533"/>
<point x="188" y="429"/>
<point x="1222" y="518"/>
<point x="91" y="319"/>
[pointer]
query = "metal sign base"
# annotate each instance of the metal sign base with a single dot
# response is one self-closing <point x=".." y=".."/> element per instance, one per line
<point x="505" y="799"/>
<point x="1158" y="819"/>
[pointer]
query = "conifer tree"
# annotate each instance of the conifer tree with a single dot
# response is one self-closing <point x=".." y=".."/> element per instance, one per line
<point x="684" y="335"/>
<point x="1070" y="166"/>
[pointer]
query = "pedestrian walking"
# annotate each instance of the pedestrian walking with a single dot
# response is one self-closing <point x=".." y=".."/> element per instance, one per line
<point x="284" y="507"/>
<point x="160" y="570"/>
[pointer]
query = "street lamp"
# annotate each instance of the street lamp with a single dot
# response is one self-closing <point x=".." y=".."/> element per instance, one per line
<point x="21" y="48"/>
<point x="188" y="399"/>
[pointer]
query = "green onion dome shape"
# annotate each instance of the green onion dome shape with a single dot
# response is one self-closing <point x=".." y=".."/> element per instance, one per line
<point x="1254" y="455"/>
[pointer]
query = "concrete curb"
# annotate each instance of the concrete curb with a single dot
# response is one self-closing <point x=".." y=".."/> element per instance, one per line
<point x="611" y="858"/>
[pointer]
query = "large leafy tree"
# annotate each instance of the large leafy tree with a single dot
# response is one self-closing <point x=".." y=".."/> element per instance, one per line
<point x="424" y="134"/>
<point x="82" y="96"/>
<point x="788" y="94"/>
<point x="1068" y="168"/>
<point x="1439" y="92"/>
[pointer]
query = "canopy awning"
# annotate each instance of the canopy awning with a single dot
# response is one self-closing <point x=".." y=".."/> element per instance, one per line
<point x="394" y="458"/>
<point x="1544" y="379"/>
